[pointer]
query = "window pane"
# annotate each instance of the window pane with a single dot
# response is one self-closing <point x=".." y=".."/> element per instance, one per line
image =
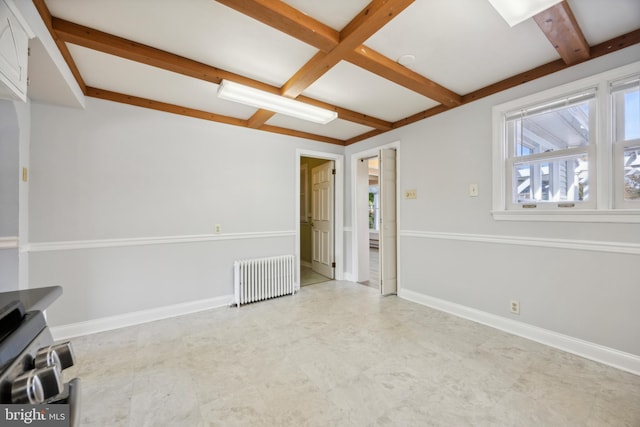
<point x="632" y="174"/>
<point x="565" y="179"/>
<point x="551" y="130"/>
<point x="626" y="103"/>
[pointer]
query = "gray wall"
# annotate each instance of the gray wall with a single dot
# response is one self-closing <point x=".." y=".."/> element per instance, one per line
<point x="135" y="180"/>
<point x="114" y="172"/>
<point x="9" y="181"/>
<point x="591" y="295"/>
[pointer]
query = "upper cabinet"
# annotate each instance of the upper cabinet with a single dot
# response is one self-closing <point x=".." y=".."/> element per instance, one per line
<point x="14" y="52"/>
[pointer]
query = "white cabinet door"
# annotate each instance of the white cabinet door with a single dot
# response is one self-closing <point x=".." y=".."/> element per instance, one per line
<point x="14" y="48"/>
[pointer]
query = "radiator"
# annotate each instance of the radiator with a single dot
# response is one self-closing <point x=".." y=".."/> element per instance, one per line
<point x="262" y="278"/>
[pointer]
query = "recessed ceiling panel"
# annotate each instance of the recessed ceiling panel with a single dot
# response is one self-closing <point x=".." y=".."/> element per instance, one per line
<point x="202" y="30"/>
<point x="594" y="17"/>
<point x="340" y="129"/>
<point x="351" y="87"/>
<point x="334" y="13"/>
<point x="123" y="76"/>
<point x="463" y="45"/>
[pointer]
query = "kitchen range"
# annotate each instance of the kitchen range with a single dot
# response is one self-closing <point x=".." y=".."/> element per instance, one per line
<point x="31" y="380"/>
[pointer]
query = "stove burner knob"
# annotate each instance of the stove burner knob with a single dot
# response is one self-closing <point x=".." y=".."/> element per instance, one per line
<point x="60" y="355"/>
<point x="51" y="380"/>
<point x="27" y="388"/>
<point x="65" y="354"/>
<point x="46" y="357"/>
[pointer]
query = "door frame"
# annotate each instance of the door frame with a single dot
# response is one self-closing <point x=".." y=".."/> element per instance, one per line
<point x="357" y="216"/>
<point x="338" y="209"/>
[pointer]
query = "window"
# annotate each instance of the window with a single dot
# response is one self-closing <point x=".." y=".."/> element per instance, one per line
<point x="625" y="96"/>
<point x="548" y="151"/>
<point x="571" y="153"/>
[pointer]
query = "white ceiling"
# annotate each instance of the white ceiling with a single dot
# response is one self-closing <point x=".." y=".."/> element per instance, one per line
<point x="463" y="45"/>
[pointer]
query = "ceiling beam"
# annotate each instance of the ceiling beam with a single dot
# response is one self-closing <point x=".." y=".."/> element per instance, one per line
<point x="285" y="18"/>
<point x="261" y="116"/>
<point x="349" y="115"/>
<point x="199" y="114"/>
<point x="118" y="46"/>
<point x="97" y="40"/>
<point x="561" y="28"/>
<point x="601" y="49"/>
<point x="372" y="18"/>
<point x="364" y="25"/>
<point x="379" y="64"/>
<point x="63" y="31"/>
<point x="289" y="20"/>
<point x="598" y="50"/>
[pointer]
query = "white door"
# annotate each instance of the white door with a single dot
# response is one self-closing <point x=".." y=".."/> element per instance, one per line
<point x="388" y="222"/>
<point x="322" y="178"/>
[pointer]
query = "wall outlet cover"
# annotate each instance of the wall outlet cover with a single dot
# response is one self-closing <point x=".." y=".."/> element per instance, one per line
<point x="411" y="194"/>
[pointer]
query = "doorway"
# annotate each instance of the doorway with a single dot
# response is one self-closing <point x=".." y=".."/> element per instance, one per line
<point x="374" y="173"/>
<point x="371" y="253"/>
<point x="319" y="217"/>
<point x="316" y="220"/>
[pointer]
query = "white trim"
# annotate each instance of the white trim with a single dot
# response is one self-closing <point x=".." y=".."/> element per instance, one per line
<point x="349" y="277"/>
<point x="616" y="216"/>
<point x="143" y="241"/>
<point x="338" y="207"/>
<point x="606" y="355"/>
<point x="129" y="319"/>
<point x="9" y="242"/>
<point x="600" y="175"/>
<point x="582" y="245"/>
<point x="305" y="264"/>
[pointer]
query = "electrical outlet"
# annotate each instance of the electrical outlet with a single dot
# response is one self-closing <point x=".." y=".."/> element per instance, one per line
<point x="515" y="307"/>
<point x="218" y="228"/>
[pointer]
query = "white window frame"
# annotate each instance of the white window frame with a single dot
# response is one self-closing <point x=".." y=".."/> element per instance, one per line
<point x="619" y="147"/>
<point x="602" y="205"/>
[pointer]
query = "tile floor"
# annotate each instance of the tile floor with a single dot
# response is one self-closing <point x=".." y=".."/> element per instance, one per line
<point x="310" y="277"/>
<point x="338" y="354"/>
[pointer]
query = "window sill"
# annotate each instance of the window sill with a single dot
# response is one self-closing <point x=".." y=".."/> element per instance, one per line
<point x="586" y="215"/>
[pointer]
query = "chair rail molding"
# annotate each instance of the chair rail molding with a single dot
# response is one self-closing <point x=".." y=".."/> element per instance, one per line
<point x="582" y="245"/>
<point x="143" y="241"/>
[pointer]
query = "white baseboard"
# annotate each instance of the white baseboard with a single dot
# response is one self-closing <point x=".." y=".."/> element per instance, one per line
<point x="608" y="356"/>
<point x="129" y="319"/>
<point x="305" y="263"/>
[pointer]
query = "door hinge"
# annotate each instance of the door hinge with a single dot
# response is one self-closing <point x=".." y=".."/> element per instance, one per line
<point x="333" y="171"/>
<point x="333" y="264"/>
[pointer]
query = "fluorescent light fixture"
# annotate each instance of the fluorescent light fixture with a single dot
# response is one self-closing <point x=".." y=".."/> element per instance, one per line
<point x="232" y="91"/>
<point x="516" y="11"/>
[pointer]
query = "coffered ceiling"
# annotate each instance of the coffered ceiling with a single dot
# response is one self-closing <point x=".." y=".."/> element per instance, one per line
<point x="343" y="55"/>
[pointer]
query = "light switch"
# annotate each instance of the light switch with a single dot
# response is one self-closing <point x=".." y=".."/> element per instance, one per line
<point x="473" y="190"/>
<point x="411" y="194"/>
